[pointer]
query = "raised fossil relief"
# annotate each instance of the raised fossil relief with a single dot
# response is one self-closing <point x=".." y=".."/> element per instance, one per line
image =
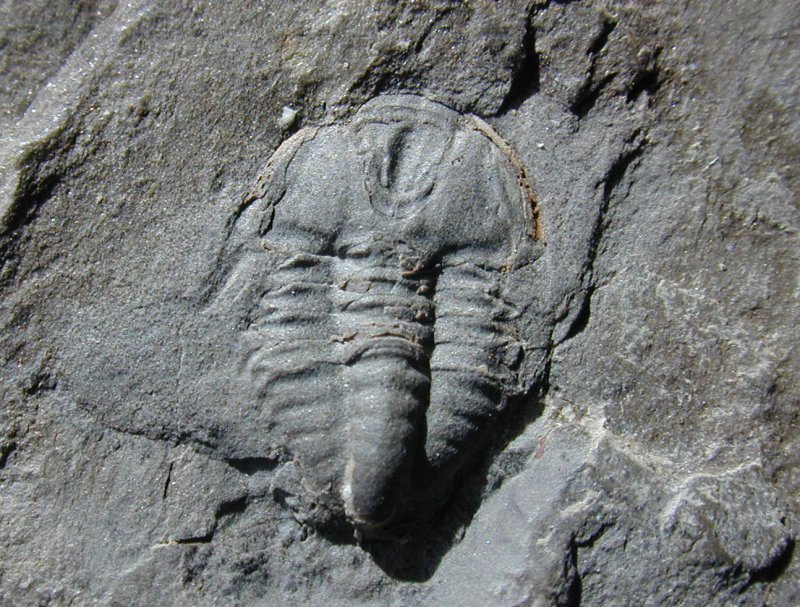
<point x="365" y="274"/>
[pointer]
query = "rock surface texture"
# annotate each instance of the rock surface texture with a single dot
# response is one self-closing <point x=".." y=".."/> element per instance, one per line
<point x="582" y="273"/>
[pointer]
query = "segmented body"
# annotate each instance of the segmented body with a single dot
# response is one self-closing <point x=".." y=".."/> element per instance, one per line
<point x="366" y="276"/>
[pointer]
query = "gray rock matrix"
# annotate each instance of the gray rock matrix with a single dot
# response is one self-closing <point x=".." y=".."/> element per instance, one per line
<point x="575" y="243"/>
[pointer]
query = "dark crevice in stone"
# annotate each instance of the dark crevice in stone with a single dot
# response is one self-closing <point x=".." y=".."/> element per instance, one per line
<point x="613" y="178"/>
<point x="39" y="175"/>
<point x="776" y="567"/>
<point x="525" y="82"/>
<point x="589" y="93"/>
<point x="228" y="508"/>
<point x="5" y="452"/>
<point x="595" y="535"/>
<point x="253" y="465"/>
<point x="610" y="182"/>
<point x="573" y="590"/>
<point x="28" y="200"/>
<point x="572" y="595"/>
<point x="39" y="381"/>
<point x="581" y="320"/>
<point x="41" y="171"/>
<point x="198" y="539"/>
<point x="601" y="39"/>
<point x="167" y="481"/>
<point x="541" y="389"/>
<point x="22" y="213"/>
<point x="282" y="498"/>
<point x="647" y="81"/>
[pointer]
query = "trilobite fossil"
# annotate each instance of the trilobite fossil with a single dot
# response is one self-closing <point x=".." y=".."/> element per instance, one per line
<point x="365" y="274"/>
